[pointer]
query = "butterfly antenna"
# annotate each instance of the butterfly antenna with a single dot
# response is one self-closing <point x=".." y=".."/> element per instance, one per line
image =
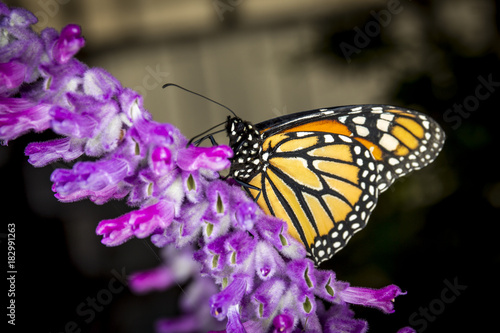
<point x="208" y="130"/>
<point x="200" y="95"/>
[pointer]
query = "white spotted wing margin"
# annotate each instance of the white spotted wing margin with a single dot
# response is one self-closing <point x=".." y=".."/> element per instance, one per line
<point x="403" y="140"/>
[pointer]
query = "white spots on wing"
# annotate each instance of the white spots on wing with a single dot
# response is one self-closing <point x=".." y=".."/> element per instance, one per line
<point x="393" y="161"/>
<point x="328" y="138"/>
<point x="345" y="138"/>
<point x="388" y="142"/>
<point x="383" y="125"/>
<point x="387" y="116"/>
<point x="359" y="120"/>
<point x="362" y="130"/>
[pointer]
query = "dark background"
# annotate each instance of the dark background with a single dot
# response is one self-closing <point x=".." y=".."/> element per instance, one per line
<point x="437" y="225"/>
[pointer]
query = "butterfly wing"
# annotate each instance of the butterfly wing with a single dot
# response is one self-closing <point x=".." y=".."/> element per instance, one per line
<point x="323" y="169"/>
<point x="401" y="140"/>
<point x="314" y="182"/>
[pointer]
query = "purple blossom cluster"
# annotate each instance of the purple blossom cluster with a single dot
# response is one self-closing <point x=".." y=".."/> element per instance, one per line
<point x="248" y="274"/>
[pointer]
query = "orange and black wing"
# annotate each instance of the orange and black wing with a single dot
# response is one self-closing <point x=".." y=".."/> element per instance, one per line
<point x="324" y="169"/>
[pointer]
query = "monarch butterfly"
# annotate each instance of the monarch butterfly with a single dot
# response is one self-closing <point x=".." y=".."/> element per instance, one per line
<point x="322" y="170"/>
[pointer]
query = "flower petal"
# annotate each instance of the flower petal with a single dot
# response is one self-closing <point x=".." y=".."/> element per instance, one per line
<point x="101" y="181"/>
<point x="381" y="299"/>
<point x="12" y="75"/>
<point x="267" y="297"/>
<point x="68" y="44"/>
<point x="230" y="296"/>
<point x="18" y="116"/>
<point x="140" y="223"/>
<point x="43" y="153"/>
<point x="159" y="278"/>
<point x="283" y="323"/>
<point x="214" y="158"/>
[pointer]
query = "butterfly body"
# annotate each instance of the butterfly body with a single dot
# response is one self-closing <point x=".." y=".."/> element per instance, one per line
<point x="322" y="170"/>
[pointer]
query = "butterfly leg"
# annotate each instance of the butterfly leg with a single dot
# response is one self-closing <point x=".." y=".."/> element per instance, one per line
<point x="209" y="136"/>
<point x="248" y="186"/>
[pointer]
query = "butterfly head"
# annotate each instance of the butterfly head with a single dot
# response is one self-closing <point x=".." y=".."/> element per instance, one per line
<point x="246" y="142"/>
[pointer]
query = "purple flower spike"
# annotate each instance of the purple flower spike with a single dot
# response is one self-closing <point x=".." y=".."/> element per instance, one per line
<point x="214" y="158"/>
<point x="406" y="329"/>
<point x="378" y="298"/>
<point x="68" y="44"/>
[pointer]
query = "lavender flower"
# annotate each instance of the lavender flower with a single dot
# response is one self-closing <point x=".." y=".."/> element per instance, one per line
<point x="250" y="275"/>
